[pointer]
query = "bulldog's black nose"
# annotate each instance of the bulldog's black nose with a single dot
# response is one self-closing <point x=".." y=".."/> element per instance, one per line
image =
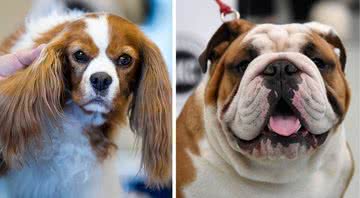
<point x="280" y="68"/>
<point x="100" y="81"/>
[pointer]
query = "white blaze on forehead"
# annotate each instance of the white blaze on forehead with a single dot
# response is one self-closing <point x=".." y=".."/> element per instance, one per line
<point x="98" y="30"/>
<point x="278" y="38"/>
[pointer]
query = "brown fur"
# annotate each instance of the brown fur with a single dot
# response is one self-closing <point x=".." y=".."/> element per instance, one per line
<point x="335" y="82"/>
<point x="222" y="38"/>
<point x="100" y="141"/>
<point x="150" y="115"/>
<point x="189" y="131"/>
<point x="222" y="80"/>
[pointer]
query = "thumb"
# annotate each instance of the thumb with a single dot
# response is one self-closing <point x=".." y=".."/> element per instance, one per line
<point x="10" y="63"/>
<point x="26" y="57"/>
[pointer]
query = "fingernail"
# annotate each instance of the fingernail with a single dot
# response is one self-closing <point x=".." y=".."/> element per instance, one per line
<point x="37" y="51"/>
<point x="40" y="47"/>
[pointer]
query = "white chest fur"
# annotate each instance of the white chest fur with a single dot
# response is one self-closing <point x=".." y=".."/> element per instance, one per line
<point x="216" y="178"/>
<point x="66" y="166"/>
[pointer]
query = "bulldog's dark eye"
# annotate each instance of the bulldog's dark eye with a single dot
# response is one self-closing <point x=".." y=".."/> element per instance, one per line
<point x="81" y="57"/>
<point x="241" y="67"/>
<point x="124" y="60"/>
<point x="319" y="63"/>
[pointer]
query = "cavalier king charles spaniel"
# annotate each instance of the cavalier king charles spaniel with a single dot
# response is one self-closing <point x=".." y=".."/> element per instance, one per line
<point x="60" y="117"/>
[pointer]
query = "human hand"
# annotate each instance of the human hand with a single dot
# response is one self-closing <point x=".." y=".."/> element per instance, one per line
<point x="10" y="63"/>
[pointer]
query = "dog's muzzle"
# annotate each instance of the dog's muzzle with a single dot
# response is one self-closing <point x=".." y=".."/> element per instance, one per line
<point x="280" y="105"/>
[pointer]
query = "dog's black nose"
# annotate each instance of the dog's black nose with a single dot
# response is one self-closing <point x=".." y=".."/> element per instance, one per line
<point x="100" y="81"/>
<point x="280" y="69"/>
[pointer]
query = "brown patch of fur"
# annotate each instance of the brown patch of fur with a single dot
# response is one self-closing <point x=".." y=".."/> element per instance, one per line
<point x="215" y="49"/>
<point x="100" y="141"/>
<point x="335" y="82"/>
<point x="222" y="38"/>
<point x="189" y="131"/>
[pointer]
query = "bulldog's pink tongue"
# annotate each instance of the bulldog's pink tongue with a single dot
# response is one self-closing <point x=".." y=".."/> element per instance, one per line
<point x="284" y="125"/>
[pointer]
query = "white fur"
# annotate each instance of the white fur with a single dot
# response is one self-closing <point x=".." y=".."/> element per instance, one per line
<point x="66" y="166"/>
<point x="98" y="30"/>
<point x="34" y="28"/>
<point x="278" y="38"/>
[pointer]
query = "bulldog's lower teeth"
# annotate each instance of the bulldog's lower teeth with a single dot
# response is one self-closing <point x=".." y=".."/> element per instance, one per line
<point x="292" y="150"/>
<point x="269" y="147"/>
<point x="256" y="152"/>
<point x="278" y="149"/>
<point x="262" y="147"/>
<point x="302" y="149"/>
<point x="269" y="151"/>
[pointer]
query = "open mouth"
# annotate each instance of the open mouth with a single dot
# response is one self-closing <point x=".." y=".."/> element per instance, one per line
<point x="282" y="135"/>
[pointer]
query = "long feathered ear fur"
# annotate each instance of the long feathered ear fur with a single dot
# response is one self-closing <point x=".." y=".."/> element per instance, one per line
<point x="29" y="100"/>
<point x="151" y="116"/>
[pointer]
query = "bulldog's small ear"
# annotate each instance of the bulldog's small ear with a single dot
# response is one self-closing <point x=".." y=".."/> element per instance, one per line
<point x="222" y="38"/>
<point x="330" y="35"/>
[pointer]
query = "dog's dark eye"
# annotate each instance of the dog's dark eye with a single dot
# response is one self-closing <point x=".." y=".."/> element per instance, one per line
<point x="319" y="63"/>
<point x="241" y="67"/>
<point x="124" y="60"/>
<point x="81" y="57"/>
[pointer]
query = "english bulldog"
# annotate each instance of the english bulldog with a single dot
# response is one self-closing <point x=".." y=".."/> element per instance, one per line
<point x="267" y="119"/>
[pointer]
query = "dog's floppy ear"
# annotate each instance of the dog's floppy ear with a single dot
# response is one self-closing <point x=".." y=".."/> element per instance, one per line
<point x="29" y="99"/>
<point x="222" y="39"/>
<point x="330" y="35"/>
<point x="151" y="115"/>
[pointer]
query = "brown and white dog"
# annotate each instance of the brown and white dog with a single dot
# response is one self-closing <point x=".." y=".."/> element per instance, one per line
<point x="266" y="121"/>
<point x="61" y="116"/>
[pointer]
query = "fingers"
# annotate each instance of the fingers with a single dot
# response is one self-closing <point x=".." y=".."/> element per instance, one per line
<point x="10" y="63"/>
<point x="26" y="57"/>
